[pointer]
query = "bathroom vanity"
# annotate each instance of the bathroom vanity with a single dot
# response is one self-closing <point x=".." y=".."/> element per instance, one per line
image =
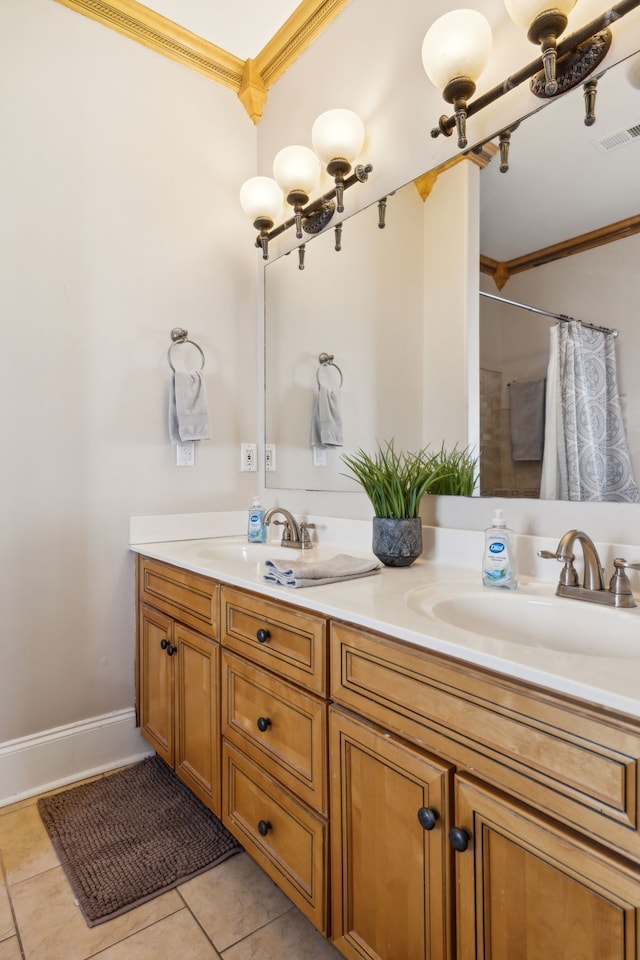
<point x="416" y="792"/>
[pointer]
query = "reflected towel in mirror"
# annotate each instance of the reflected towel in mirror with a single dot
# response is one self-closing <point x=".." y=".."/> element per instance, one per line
<point x="526" y="399"/>
<point x="326" y="423"/>
<point x="305" y="573"/>
<point x="188" y="414"/>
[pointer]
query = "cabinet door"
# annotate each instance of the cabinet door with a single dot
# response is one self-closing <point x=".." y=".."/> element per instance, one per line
<point x="156" y="680"/>
<point x="390" y="874"/>
<point x="528" y="889"/>
<point x="197" y="714"/>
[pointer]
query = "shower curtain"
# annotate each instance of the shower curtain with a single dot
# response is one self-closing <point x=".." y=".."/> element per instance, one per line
<point x="586" y="453"/>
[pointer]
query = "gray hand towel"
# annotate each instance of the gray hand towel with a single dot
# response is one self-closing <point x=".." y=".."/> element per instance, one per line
<point x="526" y="398"/>
<point x="326" y="424"/>
<point x="188" y="415"/>
<point x="306" y="573"/>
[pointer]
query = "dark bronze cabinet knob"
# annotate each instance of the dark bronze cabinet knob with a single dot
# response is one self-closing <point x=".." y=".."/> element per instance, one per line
<point x="164" y="644"/>
<point x="263" y="827"/>
<point x="171" y="650"/>
<point x="263" y="723"/>
<point x="263" y="635"/>
<point x="427" y="817"/>
<point x="459" y="838"/>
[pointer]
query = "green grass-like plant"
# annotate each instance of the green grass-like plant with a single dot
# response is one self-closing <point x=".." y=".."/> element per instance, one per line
<point x="396" y="481"/>
<point x="458" y="475"/>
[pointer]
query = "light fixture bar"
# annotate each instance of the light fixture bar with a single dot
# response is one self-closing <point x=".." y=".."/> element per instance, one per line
<point x="598" y="24"/>
<point x="360" y="175"/>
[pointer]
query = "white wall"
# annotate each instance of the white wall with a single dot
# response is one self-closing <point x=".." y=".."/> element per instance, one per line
<point x="119" y="177"/>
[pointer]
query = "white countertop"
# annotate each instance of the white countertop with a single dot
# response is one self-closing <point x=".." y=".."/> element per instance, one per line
<point x="385" y="602"/>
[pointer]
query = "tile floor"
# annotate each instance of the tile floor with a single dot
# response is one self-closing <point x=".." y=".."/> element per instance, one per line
<point x="232" y="912"/>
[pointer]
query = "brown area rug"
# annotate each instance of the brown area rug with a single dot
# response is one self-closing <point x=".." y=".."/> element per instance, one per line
<point x="130" y="836"/>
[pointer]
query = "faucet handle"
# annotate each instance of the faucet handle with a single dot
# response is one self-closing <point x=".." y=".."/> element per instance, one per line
<point x="568" y="574"/>
<point x="305" y="539"/>
<point x="619" y="585"/>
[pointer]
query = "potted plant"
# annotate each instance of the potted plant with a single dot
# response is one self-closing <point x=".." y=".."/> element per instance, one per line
<point x="395" y="483"/>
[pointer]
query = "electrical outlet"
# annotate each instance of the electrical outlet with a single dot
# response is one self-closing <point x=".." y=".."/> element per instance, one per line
<point x="248" y="457"/>
<point x="270" y="457"/>
<point x="186" y="453"/>
<point x="319" y="457"/>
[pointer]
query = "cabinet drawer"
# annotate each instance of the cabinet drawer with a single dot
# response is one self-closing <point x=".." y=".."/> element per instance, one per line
<point x="281" y="638"/>
<point x="576" y="762"/>
<point x="278" y="726"/>
<point x="186" y="596"/>
<point x="281" y="834"/>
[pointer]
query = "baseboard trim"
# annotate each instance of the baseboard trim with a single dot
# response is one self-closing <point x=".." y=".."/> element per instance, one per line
<point x="53" y="758"/>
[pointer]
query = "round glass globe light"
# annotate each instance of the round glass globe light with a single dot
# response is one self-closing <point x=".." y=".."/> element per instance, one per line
<point x="296" y="169"/>
<point x="524" y="12"/>
<point x="458" y="44"/>
<point x="338" y="134"/>
<point x="261" y="197"/>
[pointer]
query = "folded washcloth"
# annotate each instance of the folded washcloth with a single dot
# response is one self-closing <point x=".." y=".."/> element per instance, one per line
<point x="306" y="573"/>
<point x="188" y="415"/>
<point x="326" y="423"/>
<point x="526" y="399"/>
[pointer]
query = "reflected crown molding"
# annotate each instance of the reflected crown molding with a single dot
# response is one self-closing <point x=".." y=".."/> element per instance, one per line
<point x="250" y="79"/>
<point x="426" y="182"/>
<point x="500" y="271"/>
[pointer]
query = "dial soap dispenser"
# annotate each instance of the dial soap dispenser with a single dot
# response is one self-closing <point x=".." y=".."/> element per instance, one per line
<point x="498" y="564"/>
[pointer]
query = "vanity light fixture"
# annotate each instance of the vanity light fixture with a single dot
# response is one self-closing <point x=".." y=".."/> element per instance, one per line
<point x="337" y="136"/>
<point x="457" y="48"/>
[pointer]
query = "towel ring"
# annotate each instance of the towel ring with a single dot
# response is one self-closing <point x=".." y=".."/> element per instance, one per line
<point x="326" y="360"/>
<point x="179" y="335"/>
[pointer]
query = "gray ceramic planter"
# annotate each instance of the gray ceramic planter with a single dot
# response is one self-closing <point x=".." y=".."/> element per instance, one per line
<point x="397" y="543"/>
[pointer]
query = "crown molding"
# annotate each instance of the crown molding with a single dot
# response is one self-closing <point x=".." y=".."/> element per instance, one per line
<point x="250" y="79"/>
<point x="502" y="270"/>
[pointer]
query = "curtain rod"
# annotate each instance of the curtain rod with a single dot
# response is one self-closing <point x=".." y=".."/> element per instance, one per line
<point x="548" y="313"/>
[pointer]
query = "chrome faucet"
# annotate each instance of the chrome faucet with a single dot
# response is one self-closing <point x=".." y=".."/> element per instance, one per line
<point x="294" y="535"/>
<point x="619" y="593"/>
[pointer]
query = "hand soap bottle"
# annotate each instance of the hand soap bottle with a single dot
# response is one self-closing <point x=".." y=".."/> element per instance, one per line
<point x="256" y="528"/>
<point x="498" y="564"/>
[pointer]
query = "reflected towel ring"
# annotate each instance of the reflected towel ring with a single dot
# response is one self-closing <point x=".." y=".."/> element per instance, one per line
<point x="326" y="360"/>
<point x="179" y="335"/>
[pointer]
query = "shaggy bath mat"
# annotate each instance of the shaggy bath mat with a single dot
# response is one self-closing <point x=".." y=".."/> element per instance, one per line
<point x="130" y="836"/>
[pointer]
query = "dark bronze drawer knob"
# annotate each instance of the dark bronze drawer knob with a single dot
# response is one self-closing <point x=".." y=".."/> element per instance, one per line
<point x="263" y="827"/>
<point x="427" y="817"/>
<point x="459" y="838"/>
<point x="263" y="723"/>
<point x="263" y="635"/>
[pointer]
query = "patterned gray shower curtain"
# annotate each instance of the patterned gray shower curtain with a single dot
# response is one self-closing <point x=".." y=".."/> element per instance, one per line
<point x="586" y="451"/>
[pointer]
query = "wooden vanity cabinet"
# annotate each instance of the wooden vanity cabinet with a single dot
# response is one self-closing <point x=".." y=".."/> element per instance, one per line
<point x="537" y="793"/>
<point x="178" y="674"/>
<point x="275" y="751"/>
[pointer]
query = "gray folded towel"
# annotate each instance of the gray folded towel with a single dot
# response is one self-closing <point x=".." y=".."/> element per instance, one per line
<point x="526" y="399"/>
<point x="306" y="573"/>
<point x="326" y="424"/>
<point x="188" y="415"/>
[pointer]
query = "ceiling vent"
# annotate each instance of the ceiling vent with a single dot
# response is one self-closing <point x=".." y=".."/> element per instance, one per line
<point x="619" y="138"/>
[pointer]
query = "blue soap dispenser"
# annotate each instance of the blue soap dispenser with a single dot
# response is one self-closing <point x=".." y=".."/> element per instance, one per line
<point x="498" y="564"/>
<point x="256" y="527"/>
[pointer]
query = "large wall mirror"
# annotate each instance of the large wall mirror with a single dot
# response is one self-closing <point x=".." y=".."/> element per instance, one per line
<point x="364" y="305"/>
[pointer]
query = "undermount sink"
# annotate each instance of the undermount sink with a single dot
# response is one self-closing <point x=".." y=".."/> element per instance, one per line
<point x="238" y="549"/>
<point x="532" y="616"/>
